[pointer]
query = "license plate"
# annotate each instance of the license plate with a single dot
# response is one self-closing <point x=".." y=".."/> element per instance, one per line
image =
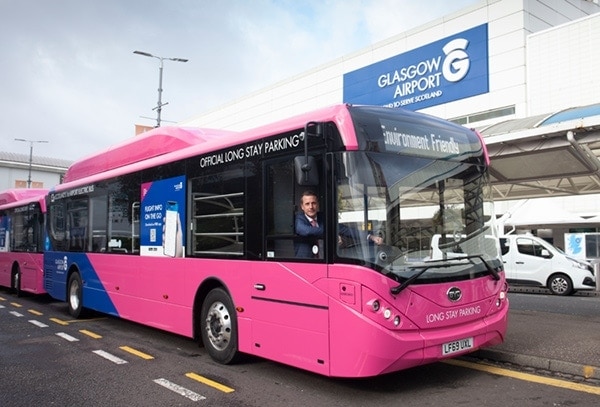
<point x="457" y="346"/>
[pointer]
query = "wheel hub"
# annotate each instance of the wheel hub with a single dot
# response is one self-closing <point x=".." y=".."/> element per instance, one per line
<point x="218" y="325"/>
<point x="74" y="295"/>
<point x="559" y="285"/>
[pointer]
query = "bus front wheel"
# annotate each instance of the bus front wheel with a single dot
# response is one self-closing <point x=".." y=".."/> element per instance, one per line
<point x="75" y="295"/>
<point x="219" y="327"/>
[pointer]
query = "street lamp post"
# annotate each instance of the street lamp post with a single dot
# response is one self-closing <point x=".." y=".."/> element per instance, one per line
<point x="30" y="155"/>
<point x="159" y="104"/>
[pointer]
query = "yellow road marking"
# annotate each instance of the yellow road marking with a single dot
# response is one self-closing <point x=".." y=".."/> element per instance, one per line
<point x="90" y="334"/>
<point x="16" y="304"/>
<point x="86" y="320"/>
<point x="59" y="321"/>
<point x="136" y="352"/>
<point x="526" y="376"/>
<point x="72" y="321"/>
<point x="34" y="312"/>
<point x="210" y="383"/>
<point x="2" y="299"/>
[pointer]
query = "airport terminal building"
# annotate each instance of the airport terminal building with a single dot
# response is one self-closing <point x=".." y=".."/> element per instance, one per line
<point x="525" y="73"/>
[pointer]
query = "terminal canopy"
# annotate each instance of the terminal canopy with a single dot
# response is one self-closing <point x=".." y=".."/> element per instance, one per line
<point x="547" y="155"/>
<point x="528" y="213"/>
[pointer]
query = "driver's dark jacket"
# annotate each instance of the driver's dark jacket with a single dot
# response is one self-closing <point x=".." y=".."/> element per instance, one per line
<point x="303" y="248"/>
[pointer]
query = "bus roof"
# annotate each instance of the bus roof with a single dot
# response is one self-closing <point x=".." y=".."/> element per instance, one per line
<point x="201" y="141"/>
<point x="150" y="144"/>
<point x="336" y="113"/>
<point x="176" y="143"/>
<point x="21" y="196"/>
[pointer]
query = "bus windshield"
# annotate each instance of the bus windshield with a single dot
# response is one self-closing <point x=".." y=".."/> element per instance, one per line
<point x="434" y="217"/>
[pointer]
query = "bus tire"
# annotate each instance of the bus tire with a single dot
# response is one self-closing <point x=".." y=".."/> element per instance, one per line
<point x="218" y="327"/>
<point x="75" y="295"/>
<point x="16" y="281"/>
<point x="560" y="284"/>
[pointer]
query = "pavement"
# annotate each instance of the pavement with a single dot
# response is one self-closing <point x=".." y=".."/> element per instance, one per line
<point x="556" y="344"/>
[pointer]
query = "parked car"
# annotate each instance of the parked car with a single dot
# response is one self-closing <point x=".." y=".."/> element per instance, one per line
<point x="531" y="261"/>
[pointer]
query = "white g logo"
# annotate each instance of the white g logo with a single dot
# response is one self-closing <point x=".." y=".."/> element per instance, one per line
<point x="456" y="65"/>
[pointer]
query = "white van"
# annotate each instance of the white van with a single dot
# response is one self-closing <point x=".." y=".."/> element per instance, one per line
<point x="531" y="261"/>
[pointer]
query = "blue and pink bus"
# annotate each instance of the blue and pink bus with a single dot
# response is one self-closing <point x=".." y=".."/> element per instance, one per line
<point x="200" y="240"/>
<point x="22" y="232"/>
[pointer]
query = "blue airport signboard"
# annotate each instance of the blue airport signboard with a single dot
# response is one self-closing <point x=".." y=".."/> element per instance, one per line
<point x="452" y="68"/>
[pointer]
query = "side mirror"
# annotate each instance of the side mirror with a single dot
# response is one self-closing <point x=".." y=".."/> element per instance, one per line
<point x="305" y="167"/>
<point x="306" y="170"/>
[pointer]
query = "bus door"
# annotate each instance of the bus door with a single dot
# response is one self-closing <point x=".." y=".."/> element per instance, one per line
<point x="290" y="322"/>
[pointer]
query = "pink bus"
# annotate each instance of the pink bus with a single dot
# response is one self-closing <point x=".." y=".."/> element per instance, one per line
<point x="22" y="217"/>
<point x="204" y="241"/>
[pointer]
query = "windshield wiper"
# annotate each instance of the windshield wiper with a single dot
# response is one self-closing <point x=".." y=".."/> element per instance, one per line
<point x="398" y="289"/>
<point x="489" y="268"/>
<point x="441" y="264"/>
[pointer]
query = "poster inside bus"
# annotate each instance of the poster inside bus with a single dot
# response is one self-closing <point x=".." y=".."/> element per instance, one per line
<point x="4" y="233"/>
<point x="163" y="205"/>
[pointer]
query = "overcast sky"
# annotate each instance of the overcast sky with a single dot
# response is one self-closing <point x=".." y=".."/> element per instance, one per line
<point x="68" y="74"/>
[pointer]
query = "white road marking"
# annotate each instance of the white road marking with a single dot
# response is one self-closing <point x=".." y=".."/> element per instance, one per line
<point x="180" y="390"/>
<point x="67" y="337"/>
<point x="110" y="357"/>
<point x="16" y="314"/>
<point x="38" y="323"/>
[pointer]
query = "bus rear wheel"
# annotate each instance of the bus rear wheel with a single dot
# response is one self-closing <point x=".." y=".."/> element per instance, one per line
<point x="16" y="281"/>
<point x="75" y="295"/>
<point x="218" y="327"/>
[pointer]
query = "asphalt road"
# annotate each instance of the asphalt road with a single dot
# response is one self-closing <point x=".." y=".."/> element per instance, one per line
<point x="48" y="359"/>
<point x="558" y="335"/>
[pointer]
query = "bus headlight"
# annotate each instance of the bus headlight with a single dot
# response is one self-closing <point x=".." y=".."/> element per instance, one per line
<point x="501" y="296"/>
<point x="383" y="313"/>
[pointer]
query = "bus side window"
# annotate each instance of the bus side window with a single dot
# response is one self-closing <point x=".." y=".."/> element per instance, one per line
<point x="217" y="214"/>
<point x="284" y="186"/>
<point x="134" y="219"/>
<point x="98" y="211"/>
<point x="121" y="229"/>
<point x="20" y="231"/>
<point x="77" y="225"/>
<point x="57" y="225"/>
<point x="279" y="209"/>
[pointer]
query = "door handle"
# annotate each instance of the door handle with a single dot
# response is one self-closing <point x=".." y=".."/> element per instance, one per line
<point x="259" y="287"/>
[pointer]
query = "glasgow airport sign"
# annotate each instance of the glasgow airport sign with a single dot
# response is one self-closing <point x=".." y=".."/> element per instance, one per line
<point x="450" y="69"/>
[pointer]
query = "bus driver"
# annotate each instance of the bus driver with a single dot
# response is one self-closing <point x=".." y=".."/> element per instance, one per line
<point x="309" y="224"/>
